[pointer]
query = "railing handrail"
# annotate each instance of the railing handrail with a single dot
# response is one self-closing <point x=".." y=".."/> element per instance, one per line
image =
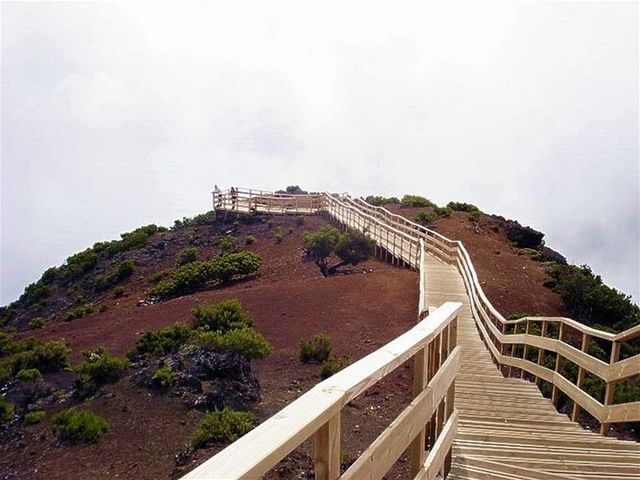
<point x="251" y="456"/>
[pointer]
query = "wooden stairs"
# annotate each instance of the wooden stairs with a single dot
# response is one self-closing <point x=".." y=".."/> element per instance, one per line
<point x="507" y="430"/>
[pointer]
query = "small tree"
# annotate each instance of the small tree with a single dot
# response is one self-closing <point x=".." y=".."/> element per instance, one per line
<point x="350" y="247"/>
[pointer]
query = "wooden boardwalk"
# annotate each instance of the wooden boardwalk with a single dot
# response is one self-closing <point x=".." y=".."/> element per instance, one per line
<point x="507" y="429"/>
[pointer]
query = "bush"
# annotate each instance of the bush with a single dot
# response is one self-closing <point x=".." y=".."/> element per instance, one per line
<point x="98" y="368"/>
<point x="189" y="278"/>
<point x="589" y="300"/>
<point x="121" y="273"/>
<point x="333" y="365"/>
<point x="188" y="255"/>
<point x="245" y="341"/>
<point x="300" y="221"/>
<point x="78" y="312"/>
<point x="157" y="343"/>
<point x="351" y="247"/>
<point x="474" y="216"/>
<point x="425" y="218"/>
<point x="31" y="353"/>
<point x="31" y="418"/>
<point x="249" y="239"/>
<point x="462" y="207"/>
<point x="279" y="234"/>
<point x="29" y="374"/>
<point x="79" y="426"/>
<point x="317" y="349"/>
<point x="37" y="322"/>
<point x="416" y="201"/>
<point x="222" y="426"/>
<point x="118" y="292"/>
<point x="79" y="264"/>
<point x="6" y="411"/>
<point x="164" y="377"/>
<point x="34" y="294"/>
<point x="221" y="317"/>
<point x="227" y="243"/>
<point x="378" y="201"/>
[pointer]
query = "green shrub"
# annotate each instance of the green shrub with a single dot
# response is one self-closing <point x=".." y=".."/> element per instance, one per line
<point x="300" y="221"/>
<point x="118" y="292"/>
<point x="222" y="426"/>
<point x="379" y="201"/>
<point x="189" y="278"/>
<point x="29" y="374"/>
<point x="133" y="240"/>
<point x="351" y="247"/>
<point x="416" y="201"/>
<point x="462" y="207"/>
<point x="79" y="426"/>
<point x="333" y="365"/>
<point x="31" y="353"/>
<point x="221" y="317"/>
<point x="6" y="411"/>
<point x="249" y="239"/>
<point x="79" y="264"/>
<point x="164" y="377"/>
<point x="227" y="243"/>
<point x="78" y="312"/>
<point x="317" y="349"/>
<point x="123" y="271"/>
<point x="590" y="301"/>
<point x="474" y="216"/>
<point x="531" y="252"/>
<point x="31" y="418"/>
<point x="425" y="218"/>
<point x="279" y="234"/>
<point x="98" y="368"/>
<point x="245" y="341"/>
<point x="157" y="343"/>
<point x="188" y="255"/>
<point x="37" y="322"/>
<point x="34" y="294"/>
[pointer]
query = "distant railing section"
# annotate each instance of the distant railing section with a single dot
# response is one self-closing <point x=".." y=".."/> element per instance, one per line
<point x="427" y="425"/>
<point x="247" y="200"/>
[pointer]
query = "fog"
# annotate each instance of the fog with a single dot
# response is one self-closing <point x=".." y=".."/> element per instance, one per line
<point x="118" y="115"/>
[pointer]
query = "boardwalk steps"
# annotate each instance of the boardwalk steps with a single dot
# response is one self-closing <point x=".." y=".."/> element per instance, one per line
<point x="507" y="429"/>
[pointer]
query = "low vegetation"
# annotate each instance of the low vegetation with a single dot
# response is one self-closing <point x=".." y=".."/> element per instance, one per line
<point x="225" y="425"/>
<point x="317" y="349"/>
<point x="122" y="272"/>
<point x="164" y="377"/>
<point x="30" y="353"/>
<point x="29" y="375"/>
<point x="74" y="426"/>
<point x="187" y="255"/>
<point x="333" y="365"/>
<point x="195" y="275"/>
<point x="379" y="201"/>
<point x="32" y="418"/>
<point x="97" y="369"/>
<point x="590" y="301"/>
<point x="416" y="201"/>
<point x="6" y="411"/>
<point x="79" y="312"/>
<point x="223" y="325"/>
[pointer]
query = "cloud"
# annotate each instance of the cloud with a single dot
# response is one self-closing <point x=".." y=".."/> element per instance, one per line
<point x="120" y="114"/>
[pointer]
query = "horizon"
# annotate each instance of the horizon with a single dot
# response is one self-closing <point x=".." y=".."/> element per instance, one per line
<point x="120" y="115"/>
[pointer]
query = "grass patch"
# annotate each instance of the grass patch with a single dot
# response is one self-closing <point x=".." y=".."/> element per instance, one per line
<point x="222" y="426"/>
<point x="76" y="426"/>
<point x="317" y="349"/>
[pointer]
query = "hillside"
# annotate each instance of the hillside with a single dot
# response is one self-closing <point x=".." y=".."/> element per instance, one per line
<point x="107" y="288"/>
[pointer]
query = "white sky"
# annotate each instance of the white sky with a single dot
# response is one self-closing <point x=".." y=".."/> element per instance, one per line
<point x="117" y="115"/>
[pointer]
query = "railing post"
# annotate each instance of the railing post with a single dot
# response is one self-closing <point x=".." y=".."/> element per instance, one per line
<point x="526" y="348"/>
<point x="326" y="448"/>
<point x="555" y="391"/>
<point x="451" y="393"/>
<point x="586" y="340"/>
<point x="543" y="332"/>
<point x="611" y="386"/>
<point x="420" y="380"/>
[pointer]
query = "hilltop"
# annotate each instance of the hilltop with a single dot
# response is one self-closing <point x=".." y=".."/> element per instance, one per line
<point x="102" y="297"/>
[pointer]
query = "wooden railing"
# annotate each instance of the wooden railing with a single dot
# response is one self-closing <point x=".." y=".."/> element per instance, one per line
<point x="565" y="338"/>
<point x="427" y="425"/>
